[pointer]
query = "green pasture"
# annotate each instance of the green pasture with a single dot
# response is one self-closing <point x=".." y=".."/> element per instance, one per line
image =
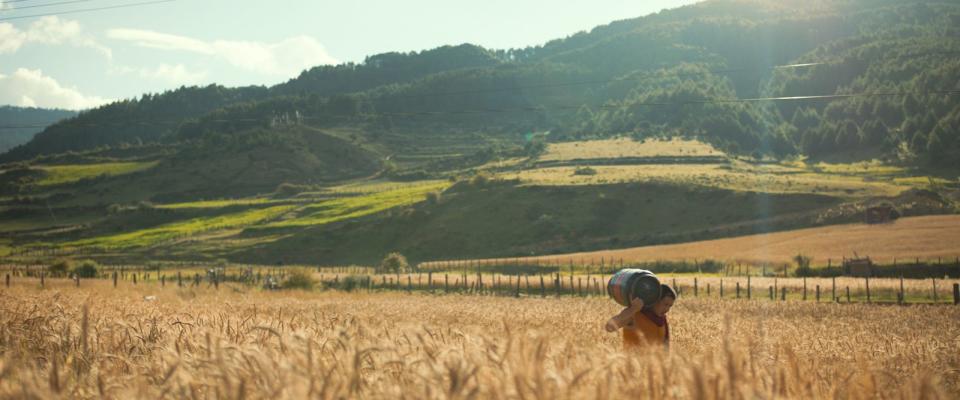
<point x="333" y="210"/>
<point x="63" y="174"/>
<point x="149" y="237"/>
<point x="221" y="203"/>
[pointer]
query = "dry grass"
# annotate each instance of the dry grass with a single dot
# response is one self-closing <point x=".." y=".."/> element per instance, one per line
<point x="908" y="238"/>
<point x="101" y="342"/>
<point x="736" y="176"/>
<point x="626" y="147"/>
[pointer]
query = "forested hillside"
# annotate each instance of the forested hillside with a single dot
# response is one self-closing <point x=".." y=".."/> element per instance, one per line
<point x="132" y="121"/>
<point x="889" y="68"/>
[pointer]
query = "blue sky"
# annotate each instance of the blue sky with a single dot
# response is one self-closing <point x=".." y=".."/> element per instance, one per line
<point x="81" y="60"/>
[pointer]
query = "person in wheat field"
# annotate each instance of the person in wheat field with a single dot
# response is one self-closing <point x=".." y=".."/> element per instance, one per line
<point x="645" y="325"/>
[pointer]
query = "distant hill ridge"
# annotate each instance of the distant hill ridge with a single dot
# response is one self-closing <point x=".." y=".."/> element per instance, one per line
<point x="19" y="124"/>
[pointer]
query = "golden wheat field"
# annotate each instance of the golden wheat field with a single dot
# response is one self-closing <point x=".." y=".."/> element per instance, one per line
<point x="150" y="342"/>
<point x="925" y="238"/>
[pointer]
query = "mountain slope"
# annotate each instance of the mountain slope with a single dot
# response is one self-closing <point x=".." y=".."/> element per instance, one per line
<point x="18" y="125"/>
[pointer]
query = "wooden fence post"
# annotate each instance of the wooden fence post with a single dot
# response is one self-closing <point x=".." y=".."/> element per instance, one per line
<point x="749" y="288"/>
<point x="42" y="273"/>
<point x="696" y="288"/>
<point x="783" y="293"/>
<point x="934" y="290"/>
<point x="446" y="283"/>
<point x="114" y="279"/>
<point x="163" y="280"/>
<point x="902" y="296"/>
<point x="804" y="288"/>
<point x="956" y="293"/>
<point x="738" y="289"/>
<point x="517" y="292"/>
<point x="76" y="279"/>
<point x="868" y="289"/>
<point x="771" y="292"/>
<point x="8" y="280"/>
<point x="134" y="278"/>
<point x="543" y="287"/>
<point x="848" y="294"/>
<point x="558" y="284"/>
<point x="721" y="288"/>
<point x="833" y="289"/>
<point x="818" y="293"/>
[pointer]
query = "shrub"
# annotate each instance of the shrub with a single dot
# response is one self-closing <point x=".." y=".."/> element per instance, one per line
<point x="60" y="267"/>
<point x="803" y="265"/>
<point x="480" y="180"/>
<point x="394" y="263"/>
<point x="584" y="171"/>
<point x="353" y="282"/>
<point x="86" y="269"/>
<point x="299" y="280"/>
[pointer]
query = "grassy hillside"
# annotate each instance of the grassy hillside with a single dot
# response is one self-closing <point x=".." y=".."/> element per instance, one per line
<point x="635" y="133"/>
<point x="505" y="209"/>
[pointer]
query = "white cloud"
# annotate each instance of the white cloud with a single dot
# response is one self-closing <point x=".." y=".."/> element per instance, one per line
<point x="50" y="30"/>
<point x="284" y="58"/>
<point x="11" y="38"/>
<point x="175" y="74"/>
<point x="161" y="41"/>
<point x="30" y="88"/>
<point x="27" y="102"/>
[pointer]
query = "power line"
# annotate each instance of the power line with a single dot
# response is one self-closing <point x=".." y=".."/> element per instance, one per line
<point x="44" y="5"/>
<point x="84" y="10"/>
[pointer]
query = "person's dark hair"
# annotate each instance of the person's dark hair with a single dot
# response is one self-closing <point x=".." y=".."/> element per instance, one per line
<point x="667" y="291"/>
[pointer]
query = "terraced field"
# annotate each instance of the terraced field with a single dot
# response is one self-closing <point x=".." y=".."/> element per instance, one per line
<point x="261" y="216"/>
<point x="62" y="174"/>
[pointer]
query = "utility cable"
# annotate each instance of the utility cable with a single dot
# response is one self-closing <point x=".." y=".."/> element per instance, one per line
<point x="85" y="10"/>
<point x="44" y="5"/>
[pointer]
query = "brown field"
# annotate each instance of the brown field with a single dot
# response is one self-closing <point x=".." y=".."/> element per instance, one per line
<point x="96" y="341"/>
<point x="735" y="176"/>
<point x="627" y="147"/>
<point x="927" y="238"/>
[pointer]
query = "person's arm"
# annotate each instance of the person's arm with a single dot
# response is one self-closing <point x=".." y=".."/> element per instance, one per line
<point x="624" y="317"/>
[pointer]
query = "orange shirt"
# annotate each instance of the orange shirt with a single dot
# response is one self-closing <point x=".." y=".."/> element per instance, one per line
<point x="642" y="331"/>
